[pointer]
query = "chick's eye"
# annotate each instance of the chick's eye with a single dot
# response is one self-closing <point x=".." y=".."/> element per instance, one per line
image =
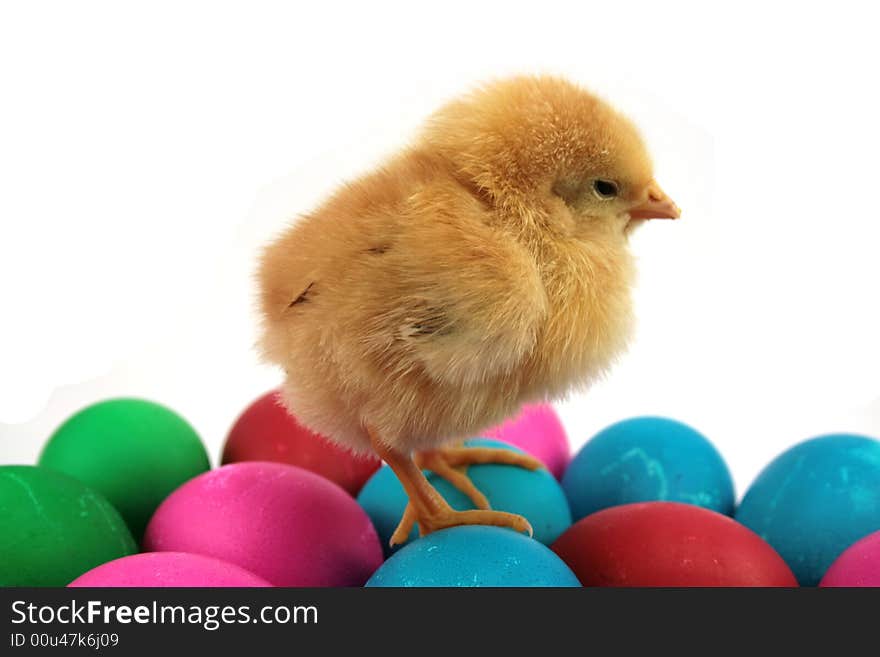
<point x="605" y="189"/>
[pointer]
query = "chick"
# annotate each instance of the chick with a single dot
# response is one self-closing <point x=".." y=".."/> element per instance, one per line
<point x="484" y="266"/>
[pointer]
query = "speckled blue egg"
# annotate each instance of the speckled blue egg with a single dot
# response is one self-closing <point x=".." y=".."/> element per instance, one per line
<point x="474" y="555"/>
<point x="536" y="495"/>
<point x="815" y="500"/>
<point x="647" y="459"/>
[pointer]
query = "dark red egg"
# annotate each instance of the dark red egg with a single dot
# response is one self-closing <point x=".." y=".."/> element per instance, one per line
<point x="669" y="544"/>
<point x="265" y="431"/>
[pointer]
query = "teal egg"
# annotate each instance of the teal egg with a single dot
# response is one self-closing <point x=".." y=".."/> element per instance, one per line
<point x="536" y="495"/>
<point x="474" y="555"/>
<point x="815" y="500"/>
<point x="647" y="459"/>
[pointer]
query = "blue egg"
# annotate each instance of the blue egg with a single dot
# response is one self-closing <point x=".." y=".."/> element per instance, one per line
<point x="536" y="495"/>
<point x="474" y="555"/>
<point x="647" y="459"/>
<point x="815" y="500"/>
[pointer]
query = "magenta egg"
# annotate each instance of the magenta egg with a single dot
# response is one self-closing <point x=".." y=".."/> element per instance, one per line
<point x="858" y="565"/>
<point x="538" y="431"/>
<point x="161" y="569"/>
<point x="280" y="522"/>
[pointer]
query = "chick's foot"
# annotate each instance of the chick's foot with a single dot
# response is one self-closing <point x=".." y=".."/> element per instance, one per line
<point x="462" y="456"/>
<point x="453" y="518"/>
<point x="433" y="520"/>
<point x="451" y="463"/>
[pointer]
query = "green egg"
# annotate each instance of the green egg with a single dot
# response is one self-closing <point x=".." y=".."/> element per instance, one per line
<point x="54" y="528"/>
<point x="134" y="452"/>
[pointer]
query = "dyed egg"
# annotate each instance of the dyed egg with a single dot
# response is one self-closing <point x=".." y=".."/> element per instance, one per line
<point x="536" y="495"/>
<point x="285" y="524"/>
<point x="474" y="555"/>
<point x="265" y="431"/>
<point x="134" y="452"/>
<point x="669" y="544"/>
<point x="538" y="431"/>
<point x="859" y="565"/>
<point x="647" y="459"/>
<point x="815" y="500"/>
<point x="54" y="528"/>
<point x="161" y="569"/>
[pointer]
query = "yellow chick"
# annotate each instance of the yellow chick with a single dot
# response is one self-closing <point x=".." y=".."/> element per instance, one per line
<point x="484" y="266"/>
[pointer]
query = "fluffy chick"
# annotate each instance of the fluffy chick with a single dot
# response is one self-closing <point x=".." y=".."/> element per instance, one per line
<point x="484" y="266"/>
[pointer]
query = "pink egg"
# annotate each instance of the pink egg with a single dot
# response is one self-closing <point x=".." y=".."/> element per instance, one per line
<point x="538" y="431"/>
<point x="858" y="565"/>
<point x="285" y="524"/>
<point x="160" y="569"/>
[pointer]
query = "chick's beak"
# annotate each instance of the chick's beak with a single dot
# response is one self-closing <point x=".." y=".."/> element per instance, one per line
<point x="656" y="206"/>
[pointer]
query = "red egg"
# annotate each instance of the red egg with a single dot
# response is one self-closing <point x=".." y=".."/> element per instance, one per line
<point x="669" y="544"/>
<point x="265" y="431"/>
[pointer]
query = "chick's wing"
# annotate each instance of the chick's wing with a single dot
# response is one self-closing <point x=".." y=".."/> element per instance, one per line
<point x="468" y="298"/>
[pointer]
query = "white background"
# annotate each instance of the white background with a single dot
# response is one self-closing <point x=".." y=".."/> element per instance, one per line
<point x="146" y="154"/>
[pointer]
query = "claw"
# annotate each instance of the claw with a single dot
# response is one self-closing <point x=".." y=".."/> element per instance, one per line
<point x="404" y="527"/>
<point x="477" y="517"/>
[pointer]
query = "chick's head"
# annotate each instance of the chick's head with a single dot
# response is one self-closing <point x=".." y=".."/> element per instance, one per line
<point x="542" y="147"/>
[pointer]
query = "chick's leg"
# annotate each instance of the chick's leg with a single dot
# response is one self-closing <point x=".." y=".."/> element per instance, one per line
<point x="435" y="461"/>
<point x="427" y="506"/>
<point x="451" y="464"/>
